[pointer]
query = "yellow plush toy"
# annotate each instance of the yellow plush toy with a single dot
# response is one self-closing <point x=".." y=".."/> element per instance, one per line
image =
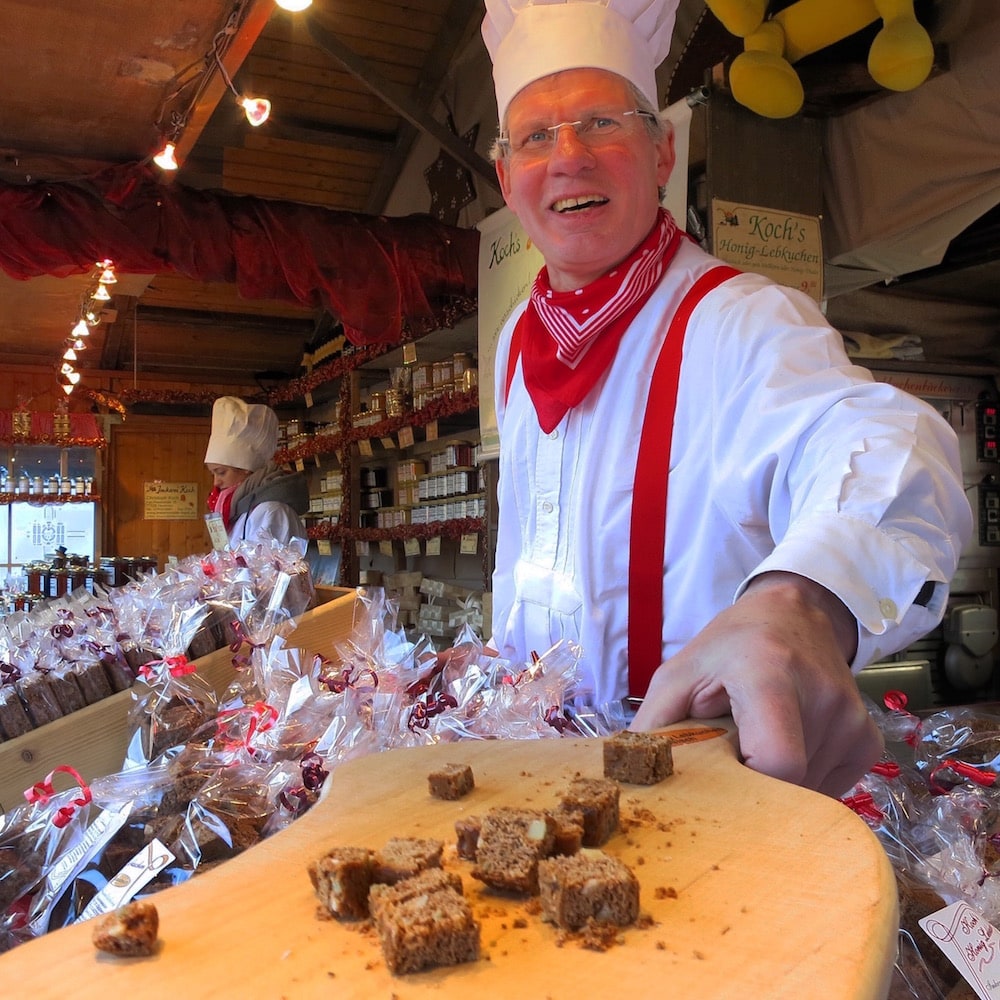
<point x="762" y="78"/>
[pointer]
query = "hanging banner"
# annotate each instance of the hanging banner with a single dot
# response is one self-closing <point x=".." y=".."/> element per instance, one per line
<point x="784" y="246"/>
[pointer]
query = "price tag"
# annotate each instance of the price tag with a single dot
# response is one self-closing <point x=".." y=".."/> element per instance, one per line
<point x="433" y="546"/>
<point x="361" y="548"/>
<point x="309" y="400"/>
<point x="385" y="546"/>
<point x="409" y="354"/>
<point x="365" y="447"/>
<point x="431" y="430"/>
<point x="389" y="444"/>
<point x="412" y="546"/>
<point x="300" y="465"/>
<point x="406" y="437"/>
<point x="217" y="532"/>
<point x="470" y="544"/>
<point x="324" y="547"/>
<point x="971" y="943"/>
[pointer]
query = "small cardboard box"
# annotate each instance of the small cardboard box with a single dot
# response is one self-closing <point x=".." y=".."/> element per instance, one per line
<point x="94" y="739"/>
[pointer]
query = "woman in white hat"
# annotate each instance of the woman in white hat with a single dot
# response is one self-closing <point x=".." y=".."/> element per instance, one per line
<point x="696" y="485"/>
<point x="252" y="497"/>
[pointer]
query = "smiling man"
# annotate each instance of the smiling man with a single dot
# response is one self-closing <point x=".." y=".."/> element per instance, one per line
<point x="696" y="485"/>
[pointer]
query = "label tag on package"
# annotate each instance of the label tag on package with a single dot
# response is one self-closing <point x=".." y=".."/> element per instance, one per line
<point x="144" y="867"/>
<point x="971" y="943"/>
<point x="217" y="532"/>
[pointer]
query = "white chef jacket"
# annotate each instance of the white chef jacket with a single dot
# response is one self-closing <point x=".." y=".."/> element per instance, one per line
<point x="274" y="519"/>
<point x="783" y="456"/>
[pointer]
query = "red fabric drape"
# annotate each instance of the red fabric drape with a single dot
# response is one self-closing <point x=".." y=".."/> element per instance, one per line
<point x="373" y="273"/>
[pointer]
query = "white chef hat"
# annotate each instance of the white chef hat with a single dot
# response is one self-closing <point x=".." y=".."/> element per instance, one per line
<point x="244" y="435"/>
<point x="529" y="39"/>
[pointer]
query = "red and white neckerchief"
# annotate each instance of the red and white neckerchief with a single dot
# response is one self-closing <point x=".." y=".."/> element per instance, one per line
<point x="567" y="340"/>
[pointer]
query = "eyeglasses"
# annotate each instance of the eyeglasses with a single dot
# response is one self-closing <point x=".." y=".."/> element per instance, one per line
<point x="592" y="132"/>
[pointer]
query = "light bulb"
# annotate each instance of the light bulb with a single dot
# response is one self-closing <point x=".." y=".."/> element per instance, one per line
<point x="108" y="276"/>
<point x="165" y="158"/>
<point x="79" y="344"/>
<point x="81" y="329"/>
<point x="73" y="377"/>
<point x="294" y="5"/>
<point x="102" y="294"/>
<point x="257" y="109"/>
<point x="67" y="368"/>
<point x="67" y="388"/>
<point x="70" y="354"/>
<point x="92" y="318"/>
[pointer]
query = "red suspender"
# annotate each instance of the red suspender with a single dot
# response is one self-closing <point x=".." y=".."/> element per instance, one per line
<point x="649" y="494"/>
<point x="648" y="529"/>
<point x="512" y="356"/>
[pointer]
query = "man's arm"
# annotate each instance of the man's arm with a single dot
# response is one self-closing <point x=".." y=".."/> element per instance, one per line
<point x="777" y="661"/>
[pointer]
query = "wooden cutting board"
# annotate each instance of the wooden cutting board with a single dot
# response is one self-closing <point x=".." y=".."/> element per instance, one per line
<point x="752" y="888"/>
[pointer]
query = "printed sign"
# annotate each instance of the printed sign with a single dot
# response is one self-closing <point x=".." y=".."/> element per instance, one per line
<point x="508" y="263"/>
<point x="784" y="246"/>
<point x="170" y="501"/>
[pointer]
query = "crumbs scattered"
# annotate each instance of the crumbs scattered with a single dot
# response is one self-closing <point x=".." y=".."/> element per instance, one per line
<point x="665" y="892"/>
<point x="595" y="935"/>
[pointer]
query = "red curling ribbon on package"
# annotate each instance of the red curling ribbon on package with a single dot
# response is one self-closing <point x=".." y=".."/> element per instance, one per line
<point x="177" y="666"/>
<point x="42" y="791"/>
<point x="887" y="768"/>
<point x="242" y="661"/>
<point x="262" y="718"/>
<point x="864" y="805"/>
<point x="985" y="779"/>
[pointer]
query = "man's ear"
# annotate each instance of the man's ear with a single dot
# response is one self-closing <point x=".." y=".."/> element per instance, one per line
<point x="503" y="175"/>
<point x="667" y="155"/>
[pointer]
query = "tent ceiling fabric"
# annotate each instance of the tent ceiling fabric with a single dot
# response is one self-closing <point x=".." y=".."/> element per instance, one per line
<point x="356" y="86"/>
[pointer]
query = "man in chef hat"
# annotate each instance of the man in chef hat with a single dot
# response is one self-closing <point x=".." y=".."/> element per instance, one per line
<point x="251" y="496"/>
<point x="696" y="485"/>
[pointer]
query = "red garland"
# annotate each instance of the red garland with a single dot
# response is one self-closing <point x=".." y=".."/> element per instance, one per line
<point x="42" y="500"/>
<point x="446" y="405"/>
<point x="453" y="529"/>
<point x="448" y="315"/>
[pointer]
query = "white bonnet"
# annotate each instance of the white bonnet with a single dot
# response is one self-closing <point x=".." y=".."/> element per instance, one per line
<point x="529" y="39"/>
<point x="244" y="435"/>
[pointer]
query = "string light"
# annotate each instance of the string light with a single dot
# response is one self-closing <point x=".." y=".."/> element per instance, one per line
<point x="91" y="306"/>
<point x="257" y="109"/>
<point x="190" y="83"/>
<point x="165" y="158"/>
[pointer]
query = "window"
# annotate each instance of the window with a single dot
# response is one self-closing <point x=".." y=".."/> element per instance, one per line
<point x="46" y="489"/>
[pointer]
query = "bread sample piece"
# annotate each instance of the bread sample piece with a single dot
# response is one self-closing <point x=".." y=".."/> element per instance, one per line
<point x="569" y="829"/>
<point x="511" y="843"/>
<point x="128" y="931"/>
<point x="467" y="836"/>
<point x="341" y="880"/>
<point x="404" y="857"/>
<point x="638" y="758"/>
<point x="424" y="921"/>
<point x="451" y="781"/>
<point x="597" y="800"/>
<point x="590" y="885"/>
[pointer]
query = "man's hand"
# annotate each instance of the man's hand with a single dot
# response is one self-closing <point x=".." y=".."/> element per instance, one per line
<point x="777" y="660"/>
